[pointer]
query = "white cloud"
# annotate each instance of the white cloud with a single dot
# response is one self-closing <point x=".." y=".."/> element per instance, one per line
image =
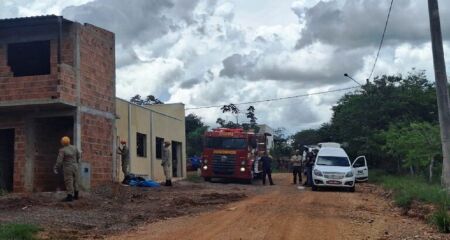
<point x="213" y="52"/>
<point x="147" y="77"/>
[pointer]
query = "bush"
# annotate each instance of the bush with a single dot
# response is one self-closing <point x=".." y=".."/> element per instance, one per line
<point x="403" y="199"/>
<point x="441" y="219"/>
<point x="18" y="231"/>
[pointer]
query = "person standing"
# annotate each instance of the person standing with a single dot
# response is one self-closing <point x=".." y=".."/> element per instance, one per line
<point x="310" y="159"/>
<point x="125" y="158"/>
<point x="68" y="158"/>
<point x="167" y="164"/>
<point x="267" y="168"/>
<point x="296" y="161"/>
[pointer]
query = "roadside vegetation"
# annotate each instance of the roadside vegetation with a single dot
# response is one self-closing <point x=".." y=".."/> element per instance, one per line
<point x="407" y="189"/>
<point x="18" y="231"/>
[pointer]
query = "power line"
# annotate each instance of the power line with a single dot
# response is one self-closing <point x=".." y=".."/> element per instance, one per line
<point x="382" y="39"/>
<point x="276" y="99"/>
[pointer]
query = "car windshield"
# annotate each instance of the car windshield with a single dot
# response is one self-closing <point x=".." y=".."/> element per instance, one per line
<point x="332" y="161"/>
<point x="226" y="143"/>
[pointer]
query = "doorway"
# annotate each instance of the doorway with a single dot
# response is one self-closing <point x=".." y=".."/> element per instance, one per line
<point x="49" y="132"/>
<point x="6" y="159"/>
<point x="176" y="159"/>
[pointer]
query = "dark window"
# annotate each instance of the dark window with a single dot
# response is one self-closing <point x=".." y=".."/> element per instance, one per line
<point x="359" y="163"/>
<point x="30" y="58"/>
<point x="141" y="145"/>
<point x="333" y="161"/>
<point x="159" y="147"/>
<point x="226" y="143"/>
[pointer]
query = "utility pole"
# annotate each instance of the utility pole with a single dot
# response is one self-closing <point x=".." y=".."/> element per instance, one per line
<point x="441" y="88"/>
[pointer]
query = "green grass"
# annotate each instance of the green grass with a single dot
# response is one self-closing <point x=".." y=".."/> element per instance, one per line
<point x="3" y="192"/>
<point x="408" y="188"/>
<point x="441" y="219"/>
<point x="14" y="231"/>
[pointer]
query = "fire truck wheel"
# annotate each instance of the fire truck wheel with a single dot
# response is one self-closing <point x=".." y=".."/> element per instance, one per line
<point x="207" y="179"/>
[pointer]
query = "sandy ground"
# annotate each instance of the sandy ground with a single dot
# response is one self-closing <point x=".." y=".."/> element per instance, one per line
<point x="285" y="212"/>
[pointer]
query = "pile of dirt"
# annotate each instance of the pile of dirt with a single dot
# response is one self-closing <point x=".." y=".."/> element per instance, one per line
<point x="112" y="208"/>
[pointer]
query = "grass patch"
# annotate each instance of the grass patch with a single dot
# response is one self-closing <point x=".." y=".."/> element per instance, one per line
<point x="441" y="219"/>
<point x="16" y="231"/>
<point x="408" y="188"/>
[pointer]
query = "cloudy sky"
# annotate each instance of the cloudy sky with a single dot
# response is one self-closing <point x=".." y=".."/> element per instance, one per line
<point x="214" y="52"/>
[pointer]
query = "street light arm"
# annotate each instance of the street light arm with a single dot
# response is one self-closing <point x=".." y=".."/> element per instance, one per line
<point x="348" y="76"/>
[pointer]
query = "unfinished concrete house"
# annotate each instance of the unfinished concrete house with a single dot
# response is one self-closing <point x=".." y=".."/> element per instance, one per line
<point x="57" y="77"/>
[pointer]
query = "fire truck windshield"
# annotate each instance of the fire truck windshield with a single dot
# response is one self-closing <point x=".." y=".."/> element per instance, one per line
<point x="226" y="143"/>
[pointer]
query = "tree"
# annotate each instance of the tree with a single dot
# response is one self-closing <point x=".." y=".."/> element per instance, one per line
<point x="281" y="147"/>
<point x="250" y="114"/>
<point x="359" y="117"/>
<point x="417" y="143"/>
<point x="193" y="122"/>
<point x="232" y="109"/>
<point x="195" y="129"/>
<point x="149" y="100"/>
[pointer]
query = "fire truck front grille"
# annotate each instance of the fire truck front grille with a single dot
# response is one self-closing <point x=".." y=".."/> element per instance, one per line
<point x="223" y="164"/>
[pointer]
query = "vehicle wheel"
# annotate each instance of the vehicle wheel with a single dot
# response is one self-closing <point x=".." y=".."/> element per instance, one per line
<point x="314" y="188"/>
<point x="352" y="189"/>
<point x="207" y="179"/>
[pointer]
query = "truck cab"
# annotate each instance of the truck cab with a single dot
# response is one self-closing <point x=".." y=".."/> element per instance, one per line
<point x="231" y="153"/>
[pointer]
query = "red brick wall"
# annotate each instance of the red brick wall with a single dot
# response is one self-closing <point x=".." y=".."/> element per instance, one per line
<point x="96" y="144"/>
<point x="40" y="87"/>
<point x="97" y="72"/>
<point x="97" y="68"/>
<point x="19" y="150"/>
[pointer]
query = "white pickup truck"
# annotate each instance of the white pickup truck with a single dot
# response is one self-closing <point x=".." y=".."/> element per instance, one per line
<point x="333" y="168"/>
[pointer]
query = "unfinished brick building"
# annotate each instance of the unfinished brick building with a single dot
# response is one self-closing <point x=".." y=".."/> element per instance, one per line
<point x="57" y="77"/>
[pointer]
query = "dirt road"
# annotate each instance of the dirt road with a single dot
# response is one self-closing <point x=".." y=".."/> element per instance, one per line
<point x="285" y="212"/>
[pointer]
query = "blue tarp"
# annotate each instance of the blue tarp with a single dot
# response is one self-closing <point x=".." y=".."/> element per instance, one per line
<point x="146" y="183"/>
<point x="134" y="181"/>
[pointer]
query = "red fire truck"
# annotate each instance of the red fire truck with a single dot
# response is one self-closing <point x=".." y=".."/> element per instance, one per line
<point x="232" y="153"/>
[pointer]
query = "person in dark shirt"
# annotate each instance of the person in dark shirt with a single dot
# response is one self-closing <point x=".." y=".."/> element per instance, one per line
<point x="267" y="168"/>
<point x="310" y="158"/>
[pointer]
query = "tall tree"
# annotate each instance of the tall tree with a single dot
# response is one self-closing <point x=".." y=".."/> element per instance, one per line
<point x="149" y="100"/>
<point x="195" y="129"/>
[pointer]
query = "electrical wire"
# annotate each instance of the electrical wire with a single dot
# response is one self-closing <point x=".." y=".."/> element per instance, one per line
<point x="275" y="99"/>
<point x="382" y="39"/>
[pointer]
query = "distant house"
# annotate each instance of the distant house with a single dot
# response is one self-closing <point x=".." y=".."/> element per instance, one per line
<point x="146" y="128"/>
<point x="264" y="128"/>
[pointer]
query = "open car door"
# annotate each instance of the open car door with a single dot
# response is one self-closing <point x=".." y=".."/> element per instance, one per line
<point x="360" y="169"/>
